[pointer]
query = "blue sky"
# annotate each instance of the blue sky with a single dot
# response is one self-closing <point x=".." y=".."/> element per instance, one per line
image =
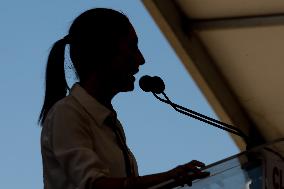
<point x="159" y="137"/>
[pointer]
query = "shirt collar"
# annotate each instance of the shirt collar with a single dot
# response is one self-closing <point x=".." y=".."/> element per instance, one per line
<point x="90" y="104"/>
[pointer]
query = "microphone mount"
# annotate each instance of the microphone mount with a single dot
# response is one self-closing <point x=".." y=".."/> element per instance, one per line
<point x="203" y="118"/>
<point x="156" y="86"/>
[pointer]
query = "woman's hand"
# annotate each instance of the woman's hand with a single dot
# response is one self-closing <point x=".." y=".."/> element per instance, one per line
<point x="185" y="174"/>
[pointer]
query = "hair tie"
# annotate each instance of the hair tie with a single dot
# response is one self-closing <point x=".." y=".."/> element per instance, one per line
<point x="66" y="39"/>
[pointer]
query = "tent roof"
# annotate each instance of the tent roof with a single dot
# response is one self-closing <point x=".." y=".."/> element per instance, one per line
<point x="234" y="51"/>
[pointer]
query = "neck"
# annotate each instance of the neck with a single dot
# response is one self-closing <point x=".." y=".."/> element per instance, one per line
<point x="101" y="92"/>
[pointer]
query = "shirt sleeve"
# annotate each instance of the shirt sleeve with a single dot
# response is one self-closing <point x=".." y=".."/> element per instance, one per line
<point x="71" y="141"/>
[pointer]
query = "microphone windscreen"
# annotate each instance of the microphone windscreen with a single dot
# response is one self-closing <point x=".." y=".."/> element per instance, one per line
<point x="152" y="84"/>
<point x="144" y="83"/>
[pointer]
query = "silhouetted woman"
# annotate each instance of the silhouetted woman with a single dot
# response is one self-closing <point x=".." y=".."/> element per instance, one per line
<point x="83" y="144"/>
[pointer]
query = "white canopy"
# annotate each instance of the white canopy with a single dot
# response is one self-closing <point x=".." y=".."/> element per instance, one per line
<point x="234" y="50"/>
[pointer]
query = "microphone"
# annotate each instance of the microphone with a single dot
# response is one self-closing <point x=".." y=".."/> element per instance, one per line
<point x="152" y="84"/>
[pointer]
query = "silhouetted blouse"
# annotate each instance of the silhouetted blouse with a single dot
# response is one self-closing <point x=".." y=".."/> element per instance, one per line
<point x="82" y="141"/>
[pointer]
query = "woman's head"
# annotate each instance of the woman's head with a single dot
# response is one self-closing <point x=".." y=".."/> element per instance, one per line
<point x="94" y="39"/>
<point x="98" y="38"/>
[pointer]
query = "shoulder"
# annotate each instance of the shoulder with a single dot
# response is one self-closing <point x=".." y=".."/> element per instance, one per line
<point x="66" y="125"/>
<point x="66" y="110"/>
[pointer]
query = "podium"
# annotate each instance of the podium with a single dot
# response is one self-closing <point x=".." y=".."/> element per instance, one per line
<point x="261" y="167"/>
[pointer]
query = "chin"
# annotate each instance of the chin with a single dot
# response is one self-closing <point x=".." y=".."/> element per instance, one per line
<point x="124" y="84"/>
<point x="127" y="88"/>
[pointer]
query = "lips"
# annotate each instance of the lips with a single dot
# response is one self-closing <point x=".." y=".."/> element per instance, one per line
<point x="135" y="71"/>
<point x="132" y="73"/>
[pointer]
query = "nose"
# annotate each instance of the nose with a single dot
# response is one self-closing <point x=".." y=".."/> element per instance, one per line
<point x="140" y="58"/>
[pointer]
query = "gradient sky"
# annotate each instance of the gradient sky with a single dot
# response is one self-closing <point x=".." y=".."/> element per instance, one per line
<point x="159" y="137"/>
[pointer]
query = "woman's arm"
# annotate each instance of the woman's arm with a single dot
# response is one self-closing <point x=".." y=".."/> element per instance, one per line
<point x="180" y="175"/>
<point x="141" y="182"/>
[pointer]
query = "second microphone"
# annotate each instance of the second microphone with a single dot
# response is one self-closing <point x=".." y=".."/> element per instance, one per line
<point x="152" y="84"/>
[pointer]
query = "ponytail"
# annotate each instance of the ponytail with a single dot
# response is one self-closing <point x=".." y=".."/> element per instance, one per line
<point x="55" y="82"/>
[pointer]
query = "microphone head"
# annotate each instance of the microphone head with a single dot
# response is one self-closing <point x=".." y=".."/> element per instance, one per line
<point x="152" y="84"/>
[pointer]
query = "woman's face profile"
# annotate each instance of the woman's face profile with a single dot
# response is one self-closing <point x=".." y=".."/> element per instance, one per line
<point x="126" y="64"/>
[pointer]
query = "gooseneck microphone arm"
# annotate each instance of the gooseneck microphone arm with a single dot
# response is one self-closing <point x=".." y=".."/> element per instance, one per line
<point x="201" y="117"/>
<point x="157" y="86"/>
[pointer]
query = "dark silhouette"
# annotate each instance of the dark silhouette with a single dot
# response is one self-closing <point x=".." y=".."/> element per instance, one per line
<point x="105" y="54"/>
